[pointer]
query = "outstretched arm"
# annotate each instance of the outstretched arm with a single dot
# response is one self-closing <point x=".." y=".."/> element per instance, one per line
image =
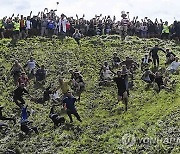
<point x="162" y="50"/>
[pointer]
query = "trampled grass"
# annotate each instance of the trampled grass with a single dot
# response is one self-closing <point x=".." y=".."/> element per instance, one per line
<point x="151" y="120"/>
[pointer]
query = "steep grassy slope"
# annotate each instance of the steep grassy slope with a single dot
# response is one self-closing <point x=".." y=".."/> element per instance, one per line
<point x="151" y="121"/>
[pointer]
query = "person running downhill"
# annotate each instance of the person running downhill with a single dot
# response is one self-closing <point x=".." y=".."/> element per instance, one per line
<point x="69" y="105"/>
<point x="154" y="54"/>
<point x="18" y="93"/>
<point x="120" y="80"/>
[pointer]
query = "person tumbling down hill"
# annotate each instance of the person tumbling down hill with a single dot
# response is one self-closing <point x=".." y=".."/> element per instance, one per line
<point x="69" y="105"/>
<point x="107" y="67"/>
<point x="57" y="120"/>
<point x="148" y="76"/>
<point x="174" y="66"/>
<point x="41" y="75"/>
<point x="131" y="65"/>
<point x="145" y="62"/>
<point x="162" y="81"/>
<point x="170" y="57"/>
<point x="18" y="93"/>
<point x="120" y="80"/>
<point x="25" y="123"/>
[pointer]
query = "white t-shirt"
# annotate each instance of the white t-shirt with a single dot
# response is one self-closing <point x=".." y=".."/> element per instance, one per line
<point x="146" y="60"/>
<point x="31" y="64"/>
<point x="55" y="95"/>
<point x="28" y="24"/>
<point x="174" y="65"/>
<point x="107" y="74"/>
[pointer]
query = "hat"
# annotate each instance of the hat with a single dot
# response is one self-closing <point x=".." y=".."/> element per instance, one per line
<point x="123" y="14"/>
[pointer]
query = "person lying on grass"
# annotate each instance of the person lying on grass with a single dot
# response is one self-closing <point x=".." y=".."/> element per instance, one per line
<point x="174" y="66"/>
<point x="57" y="120"/>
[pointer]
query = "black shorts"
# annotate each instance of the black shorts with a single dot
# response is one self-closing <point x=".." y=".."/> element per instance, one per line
<point x="121" y="92"/>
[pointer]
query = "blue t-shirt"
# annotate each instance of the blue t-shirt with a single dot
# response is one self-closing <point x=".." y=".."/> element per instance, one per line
<point x="69" y="101"/>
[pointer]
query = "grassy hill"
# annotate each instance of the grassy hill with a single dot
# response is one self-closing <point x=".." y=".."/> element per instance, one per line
<point x="151" y="124"/>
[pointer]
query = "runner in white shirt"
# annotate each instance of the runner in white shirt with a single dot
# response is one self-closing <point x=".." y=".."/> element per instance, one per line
<point x="31" y="65"/>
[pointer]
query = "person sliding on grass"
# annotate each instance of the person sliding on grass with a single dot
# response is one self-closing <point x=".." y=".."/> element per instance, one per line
<point x="154" y="54"/>
<point x="131" y="65"/>
<point x="120" y="80"/>
<point x="69" y="105"/>
<point x="174" y="66"/>
<point x="6" y="118"/>
<point x="41" y="75"/>
<point x="57" y="120"/>
<point x="145" y="61"/>
<point x="170" y="57"/>
<point x="25" y="123"/>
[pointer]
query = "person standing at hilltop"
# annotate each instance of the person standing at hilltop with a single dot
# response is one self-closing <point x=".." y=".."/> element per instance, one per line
<point x="124" y="25"/>
<point x="62" y="25"/>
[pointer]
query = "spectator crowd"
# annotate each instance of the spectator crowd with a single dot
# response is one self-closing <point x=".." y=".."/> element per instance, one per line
<point x="48" y="23"/>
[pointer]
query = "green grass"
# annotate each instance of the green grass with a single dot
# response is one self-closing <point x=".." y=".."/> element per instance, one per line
<point x="104" y="122"/>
